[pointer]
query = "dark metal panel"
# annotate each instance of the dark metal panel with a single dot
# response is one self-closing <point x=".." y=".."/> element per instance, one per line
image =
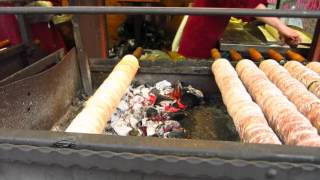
<point x="159" y="10"/>
<point x="197" y="73"/>
<point x="146" y="164"/>
<point x="34" y="68"/>
<point x="36" y="102"/>
<point x="17" y="57"/>
<point x="12" y="51"/>
<point x="9" y="170"/>
<point x="156" y="146"/>
<point x="11" y="60"/>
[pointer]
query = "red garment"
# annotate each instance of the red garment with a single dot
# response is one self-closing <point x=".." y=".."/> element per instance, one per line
<point x="47" y="35"/>
<point x="9" y="28"/>
<point x="202" y="33"/>
<point x="49" y="38"/>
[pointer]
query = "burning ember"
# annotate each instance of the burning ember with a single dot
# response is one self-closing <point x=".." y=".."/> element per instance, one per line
<point x="154" y="110"/>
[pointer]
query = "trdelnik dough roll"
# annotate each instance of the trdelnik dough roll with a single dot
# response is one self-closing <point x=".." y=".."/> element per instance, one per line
<point x="247" y="116"/>
<point x="291" y="126"/>
<point x="99" y="108"/>
<point x="314" y="66"/>
<point x="306" y="102"/>
<point x="305" y="75"/>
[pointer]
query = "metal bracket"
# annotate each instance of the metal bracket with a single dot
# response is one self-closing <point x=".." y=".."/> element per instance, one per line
<point x="82" y="58"/>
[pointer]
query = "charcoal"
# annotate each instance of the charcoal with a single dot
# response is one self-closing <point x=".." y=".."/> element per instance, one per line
<point x="190" y="100"/>
<point x="153" y="110"/>
<point x="179" y="116"/>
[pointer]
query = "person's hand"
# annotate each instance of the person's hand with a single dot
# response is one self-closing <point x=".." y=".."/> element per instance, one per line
<point x="289" y="36"/>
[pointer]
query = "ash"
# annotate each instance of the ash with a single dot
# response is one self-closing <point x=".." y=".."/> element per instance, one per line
<point x="154" y="110"/>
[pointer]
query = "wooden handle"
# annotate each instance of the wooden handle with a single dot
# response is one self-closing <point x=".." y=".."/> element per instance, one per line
<point x="235" y="56"/>
<point x="138" y="52"/>
<point x="4" y="43"/>
<point x="215" y="54"/>
<point x="255" y="54"/>
<point x="99" y="108"/>
<point x="295" y="56"/>
<point x="273" y="54"/>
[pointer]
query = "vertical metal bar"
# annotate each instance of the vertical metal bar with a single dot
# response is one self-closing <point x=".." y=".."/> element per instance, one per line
<point x="315" y="48"/>
<point x="107" y="35"/>
<point x="107" y="30"/>
<point x="23" y="28"/>
<point x="278" y="4"/>
<point x="82" y="58"/>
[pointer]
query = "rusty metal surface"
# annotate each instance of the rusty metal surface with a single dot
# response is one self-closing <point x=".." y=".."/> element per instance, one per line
<point x="36" y="102"/>
<point x="34" y="68"/>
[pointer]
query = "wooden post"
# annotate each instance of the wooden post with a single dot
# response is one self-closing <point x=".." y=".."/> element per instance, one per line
<point x="93" y="30"/>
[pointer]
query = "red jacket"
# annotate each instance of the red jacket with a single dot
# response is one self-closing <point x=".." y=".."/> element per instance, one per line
<point x="202" y="33"/>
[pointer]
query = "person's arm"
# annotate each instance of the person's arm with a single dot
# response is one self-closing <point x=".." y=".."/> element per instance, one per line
<point x="287" y="34"/>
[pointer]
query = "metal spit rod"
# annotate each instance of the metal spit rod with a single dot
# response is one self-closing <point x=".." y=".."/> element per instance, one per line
<point x="158" y="10"/>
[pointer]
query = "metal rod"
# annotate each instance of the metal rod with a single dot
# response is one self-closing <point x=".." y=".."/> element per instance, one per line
<point x="278" y="4"/>
<point x="82" y="59"/>
<point x="315" y="48"/>
<point x="23" y="29"/>
<point x="159" y="10"/>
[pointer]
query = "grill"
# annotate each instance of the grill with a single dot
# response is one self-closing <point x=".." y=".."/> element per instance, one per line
<point x="38" y="97"/>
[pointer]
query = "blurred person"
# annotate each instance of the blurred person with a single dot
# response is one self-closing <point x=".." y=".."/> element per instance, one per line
<point x="202" y="33"/>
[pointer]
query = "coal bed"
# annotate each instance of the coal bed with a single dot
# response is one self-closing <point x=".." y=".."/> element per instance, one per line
<point x="169" y="110"/>
<point x="207" y="119"/>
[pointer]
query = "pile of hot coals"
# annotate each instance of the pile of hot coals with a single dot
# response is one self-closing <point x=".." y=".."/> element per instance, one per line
<point x="156" y="110"/>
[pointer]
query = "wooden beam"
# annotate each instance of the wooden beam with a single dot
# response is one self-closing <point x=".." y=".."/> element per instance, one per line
<point x="93" y="30"/>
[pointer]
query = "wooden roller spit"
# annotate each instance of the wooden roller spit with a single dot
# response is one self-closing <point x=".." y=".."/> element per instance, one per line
<point x="305" y="75"/>
<point x="99" y="108"/>
<point x="314" y="66"/>
<point x="4" y="43"/>
<point x="306" y="102"/>
<point x="247" y="115"/>
<point x="291" y="126"/>
<point x="295" y="56"/>
<point x="215" y="54"/>
<point x="273" y="54"/>
<point x="138" y="52"/>
<point x="235" y="55"/>
<point x="255" y="54"/>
